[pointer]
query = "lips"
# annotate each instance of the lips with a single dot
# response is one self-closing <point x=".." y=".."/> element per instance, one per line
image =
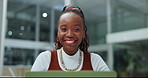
<point x="69" y="41"/>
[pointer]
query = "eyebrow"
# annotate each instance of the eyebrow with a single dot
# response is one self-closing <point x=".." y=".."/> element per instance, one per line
<point x="77" y="25"/>
<point x="72" y="25"/>
<point x="63" y="25"/>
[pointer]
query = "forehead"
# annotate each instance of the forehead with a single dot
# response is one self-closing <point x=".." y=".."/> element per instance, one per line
<point x="70" y="18"/>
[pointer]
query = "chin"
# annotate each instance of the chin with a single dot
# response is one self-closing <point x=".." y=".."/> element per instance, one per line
<point x="70" y="48"/>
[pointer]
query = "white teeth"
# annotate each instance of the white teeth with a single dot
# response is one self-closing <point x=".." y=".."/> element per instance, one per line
<point x="69" y="41"/>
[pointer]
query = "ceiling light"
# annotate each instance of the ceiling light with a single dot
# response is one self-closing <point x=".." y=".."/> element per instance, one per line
<point x="10" y="33"/>
<point x="44" y="15"/>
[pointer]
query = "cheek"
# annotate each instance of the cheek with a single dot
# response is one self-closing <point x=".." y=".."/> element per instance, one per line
<point x="60" y="35"/>
<point x="80" y="36"/>
<point x="83" y="35"/>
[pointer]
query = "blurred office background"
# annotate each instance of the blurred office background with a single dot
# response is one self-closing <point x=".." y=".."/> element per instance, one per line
<point x="118" y="32"/>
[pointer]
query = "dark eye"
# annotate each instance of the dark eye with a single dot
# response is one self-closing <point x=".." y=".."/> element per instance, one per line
<point x="63" y="29"/>
<point x="77" y="29"/>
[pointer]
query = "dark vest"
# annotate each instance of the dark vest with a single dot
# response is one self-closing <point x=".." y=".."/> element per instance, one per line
<point x="54" y="65"/>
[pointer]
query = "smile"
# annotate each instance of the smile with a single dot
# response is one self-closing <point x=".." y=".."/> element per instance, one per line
<point x="69" y="42"/>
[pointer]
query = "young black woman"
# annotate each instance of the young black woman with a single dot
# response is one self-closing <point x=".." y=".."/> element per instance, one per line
<point x="72" y="44"/>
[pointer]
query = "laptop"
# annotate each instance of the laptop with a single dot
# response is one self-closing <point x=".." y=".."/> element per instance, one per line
<point x="72" y="74"/>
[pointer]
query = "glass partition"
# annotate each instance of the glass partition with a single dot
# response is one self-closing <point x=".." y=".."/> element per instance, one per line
<point x="21" y="20"/>
<point x="95" y="16"/>
<point x="129" y="14"/>
<point x="18" y="56"/>
<point x="130" y="58"/>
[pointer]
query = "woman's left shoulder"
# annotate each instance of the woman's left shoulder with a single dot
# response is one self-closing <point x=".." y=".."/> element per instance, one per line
<point x="94" y="55"/>
<point x="98" y="63"/>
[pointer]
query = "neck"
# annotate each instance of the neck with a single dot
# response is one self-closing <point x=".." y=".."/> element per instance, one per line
<point x="70" y="52"/>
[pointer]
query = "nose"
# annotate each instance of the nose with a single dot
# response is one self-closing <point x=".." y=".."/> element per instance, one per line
<point x="69" y="33"/>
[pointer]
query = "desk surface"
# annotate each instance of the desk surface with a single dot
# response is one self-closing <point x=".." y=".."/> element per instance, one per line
<point x="72" y="74"/>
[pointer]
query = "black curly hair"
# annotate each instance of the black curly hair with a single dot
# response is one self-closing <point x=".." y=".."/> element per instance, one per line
<point x="85" y="41"/>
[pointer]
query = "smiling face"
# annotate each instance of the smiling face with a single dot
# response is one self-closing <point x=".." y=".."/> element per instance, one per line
<point x="70" y="32"/>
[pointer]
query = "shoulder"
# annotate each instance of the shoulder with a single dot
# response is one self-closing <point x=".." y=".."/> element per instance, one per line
<point x="96" y="58"/>
<point x="98" y="63"/>
<point x="45" y="53"/>
<point x="42" y="61"/>
<point x="94" y="55"/>
<point x="44" y="56"/>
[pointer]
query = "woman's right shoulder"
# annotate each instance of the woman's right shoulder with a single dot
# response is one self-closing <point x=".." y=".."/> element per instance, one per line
<point x="42" y="61"/>
<point x="45" y="54"/>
